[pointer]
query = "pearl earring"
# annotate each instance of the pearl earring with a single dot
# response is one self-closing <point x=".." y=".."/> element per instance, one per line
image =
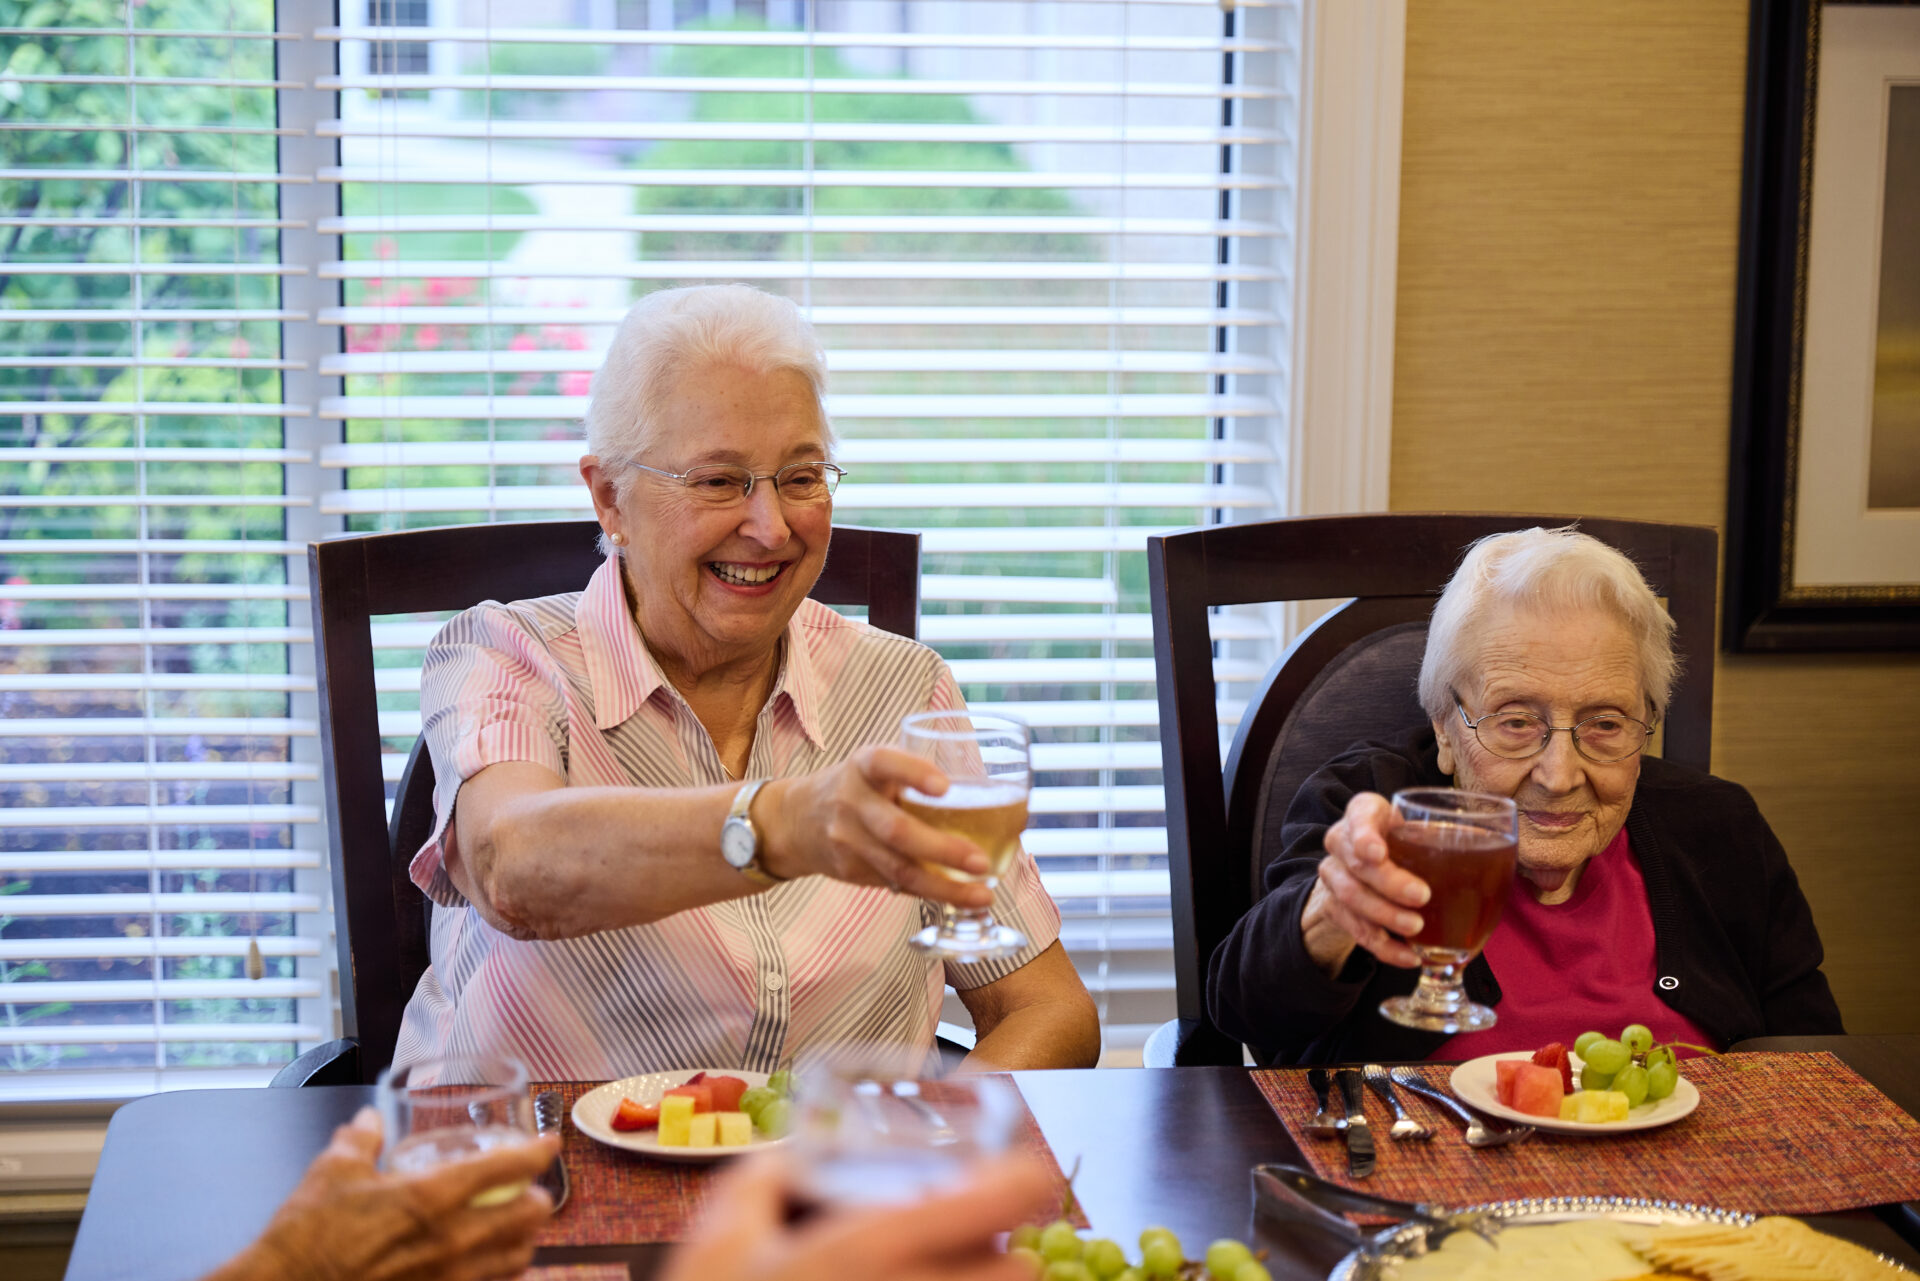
<point x="617" y="538"/>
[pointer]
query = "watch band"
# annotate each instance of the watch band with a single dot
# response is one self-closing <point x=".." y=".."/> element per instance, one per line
<point x="739" y="814"/>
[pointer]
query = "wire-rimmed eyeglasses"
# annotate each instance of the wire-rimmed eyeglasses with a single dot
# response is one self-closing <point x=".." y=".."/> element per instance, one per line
<point x="1516" y="734"/>
<point x="724" y="484"/>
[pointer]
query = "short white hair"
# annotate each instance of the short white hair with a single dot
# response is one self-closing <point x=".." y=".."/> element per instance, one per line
<point x="1549" y="571"/>
<point x="671" y="331"/>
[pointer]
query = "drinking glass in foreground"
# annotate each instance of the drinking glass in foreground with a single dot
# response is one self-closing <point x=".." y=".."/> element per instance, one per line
<point x="443" y="1110"/>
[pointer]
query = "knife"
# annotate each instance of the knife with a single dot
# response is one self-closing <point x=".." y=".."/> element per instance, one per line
<point x="546" y="1119"/>
<point x="1359" y="1137"/>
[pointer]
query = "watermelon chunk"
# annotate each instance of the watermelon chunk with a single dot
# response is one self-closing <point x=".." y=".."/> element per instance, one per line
<point x="726" y="1092"/>
<point x="1554" y="1055"/>
<point x="701" y="1094"/>
<point x="1537" y="1090"/>
<point x="1504" y="1073"/>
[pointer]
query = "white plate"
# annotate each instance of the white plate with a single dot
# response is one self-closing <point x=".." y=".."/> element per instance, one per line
<point x="1473" y="1083"/>
<point x="593" y="1115"/>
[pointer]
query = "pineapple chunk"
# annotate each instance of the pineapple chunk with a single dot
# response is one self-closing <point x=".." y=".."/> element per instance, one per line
<point x="1590" y="1107"/>
<point x="736" y="1129"/>
<point x="701" y="1130"/>
<point x="1617" y="1107"/>
<point x="676" y="1121"/>
<point x="1568" y="1106"/>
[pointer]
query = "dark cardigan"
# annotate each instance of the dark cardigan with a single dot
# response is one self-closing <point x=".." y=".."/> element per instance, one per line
<point x="1734" y="941"/>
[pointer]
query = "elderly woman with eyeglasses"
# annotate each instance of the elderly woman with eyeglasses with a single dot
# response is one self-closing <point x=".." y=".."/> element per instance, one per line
<point x="1647" y="893"/>
<point x="666" y="830"/>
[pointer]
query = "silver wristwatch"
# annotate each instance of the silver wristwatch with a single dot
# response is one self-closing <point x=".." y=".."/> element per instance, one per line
<point x="740" y="842"/>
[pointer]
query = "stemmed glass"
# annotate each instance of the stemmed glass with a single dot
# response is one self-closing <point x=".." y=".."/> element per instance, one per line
<point x="987" y="762"/>
<point x="1464" y="845"/>
<point x="445" y="1110"/>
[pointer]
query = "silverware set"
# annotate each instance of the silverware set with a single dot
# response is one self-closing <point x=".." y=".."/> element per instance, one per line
<point x="1351" y="1123"/>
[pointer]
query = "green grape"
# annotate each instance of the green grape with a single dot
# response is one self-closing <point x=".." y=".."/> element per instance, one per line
<point x="1661" y="1079"/>
<point x="1633" y="1082"/>
<point x="1148" y="1234"/>
<point x="1161" y="1256"/>
<point x="1104" y="1258"/>
<point x="1592" y="1078"/>
<point x="1252" y="1270"/>
<point x="1031" y="1258"/>
<point x="756" y="1098"/>
<point x="773" y="1117"/>
<point x="1131" y="1274"/>
<point x="1637" y="1038"/>
<point x="1606" y="1056"/>
<point x="1585" y="1040"/>
<point x="1659" y="1054"/>
<point x="781" y="1082"/>
<point x="1226" y="1255"/>
<point x="1067" y="1270"/>
<point x="1058" y="1241"/>
<point x="1024" y="1237"/>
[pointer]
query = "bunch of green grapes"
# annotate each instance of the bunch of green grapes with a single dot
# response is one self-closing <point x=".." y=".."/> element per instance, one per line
<point x="1633" y="1065"/>
<point x="1057" y="1253"/>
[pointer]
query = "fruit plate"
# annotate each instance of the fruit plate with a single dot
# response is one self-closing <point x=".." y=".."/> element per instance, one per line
<point x="1473" y="1083"/>
<point x="593" y="1116"/>
<point x="1408" y="1240"/>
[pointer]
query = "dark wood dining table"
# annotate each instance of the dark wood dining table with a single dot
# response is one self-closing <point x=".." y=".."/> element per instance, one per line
<point x="187" y="1178"/>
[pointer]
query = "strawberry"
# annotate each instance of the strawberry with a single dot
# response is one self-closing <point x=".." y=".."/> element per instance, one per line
<point x="1554" y="1055"/>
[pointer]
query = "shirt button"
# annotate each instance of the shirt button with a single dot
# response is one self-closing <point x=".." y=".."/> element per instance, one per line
<point x="1668" y="983"/>
<point x="775" y="982"/>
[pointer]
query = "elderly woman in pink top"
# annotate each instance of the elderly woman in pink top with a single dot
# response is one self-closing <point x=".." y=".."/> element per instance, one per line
<point x="591" y="747"/>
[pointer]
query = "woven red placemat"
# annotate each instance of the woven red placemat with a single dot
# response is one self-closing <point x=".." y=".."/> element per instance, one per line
<point x="623" y="1198"/>
<point x="1774" y="1134"/>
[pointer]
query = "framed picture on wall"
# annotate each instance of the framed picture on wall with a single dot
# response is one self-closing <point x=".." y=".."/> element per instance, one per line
<point x="1823" y="521"/>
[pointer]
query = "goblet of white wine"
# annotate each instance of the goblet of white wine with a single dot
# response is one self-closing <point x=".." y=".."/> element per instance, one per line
<point x="988" y="763"/>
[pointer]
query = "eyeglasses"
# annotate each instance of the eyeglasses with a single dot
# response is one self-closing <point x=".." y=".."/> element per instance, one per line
<point x="1516" y="735"/>
<point x="724" y="484"/>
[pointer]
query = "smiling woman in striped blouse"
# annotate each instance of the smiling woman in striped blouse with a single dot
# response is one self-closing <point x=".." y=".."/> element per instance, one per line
<point x="590" y="747"/>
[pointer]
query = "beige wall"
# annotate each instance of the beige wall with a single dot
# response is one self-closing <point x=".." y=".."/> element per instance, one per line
<point x="1569" y="221"/>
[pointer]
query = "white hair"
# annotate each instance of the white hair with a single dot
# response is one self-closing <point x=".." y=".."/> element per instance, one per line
<point x="671" y="331"/>
<point x="1550" y="571"/>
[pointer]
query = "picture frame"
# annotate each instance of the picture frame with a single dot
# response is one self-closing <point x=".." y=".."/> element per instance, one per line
<point x="1823" y="521"/>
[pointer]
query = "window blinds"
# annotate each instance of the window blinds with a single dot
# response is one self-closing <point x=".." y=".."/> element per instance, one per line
<point x="157" y="775"/>
<point x="1047" y="246"/>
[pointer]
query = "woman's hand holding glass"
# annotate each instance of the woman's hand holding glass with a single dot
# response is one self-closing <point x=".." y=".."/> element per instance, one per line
<point x="1361" y="897"/>
<point x="846" y="822"/>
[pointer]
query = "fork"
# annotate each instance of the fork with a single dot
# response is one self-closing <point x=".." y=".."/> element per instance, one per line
<point x="1324" y="1124"/>
<point x="1404" y="1126"/>
<point x="1479" y="1133"/>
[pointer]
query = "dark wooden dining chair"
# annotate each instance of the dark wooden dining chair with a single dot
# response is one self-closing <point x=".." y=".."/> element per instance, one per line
<point x="380" y="916"/>
<point x="1347" y="679"/>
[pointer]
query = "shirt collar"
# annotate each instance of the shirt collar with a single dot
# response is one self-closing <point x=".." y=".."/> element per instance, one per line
<point x="623" y="675"/>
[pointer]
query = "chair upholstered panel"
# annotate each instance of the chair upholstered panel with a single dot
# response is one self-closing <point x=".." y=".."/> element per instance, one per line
<point x="1368" y="692"/>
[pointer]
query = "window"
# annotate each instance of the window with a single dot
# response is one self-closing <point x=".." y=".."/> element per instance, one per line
<point x="1048" y="244"/>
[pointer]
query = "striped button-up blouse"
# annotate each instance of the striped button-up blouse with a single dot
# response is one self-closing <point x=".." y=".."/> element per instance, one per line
<point x="566" y="682"/>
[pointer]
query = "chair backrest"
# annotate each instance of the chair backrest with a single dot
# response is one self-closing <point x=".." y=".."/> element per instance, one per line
<point x="1346" y="679"/>
<point x="381" y="917"/>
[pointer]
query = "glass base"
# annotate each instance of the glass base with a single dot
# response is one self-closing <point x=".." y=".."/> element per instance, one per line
<point x="964" y="940"/>
<point x="1410" y="1011"/>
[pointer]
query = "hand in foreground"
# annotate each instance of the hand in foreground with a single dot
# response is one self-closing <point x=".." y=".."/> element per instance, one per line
<point x="1360" y="897"/>
<point x="845" y="822"/>
<point x="348" y="1221"/>
<point x="950" y="1236"/>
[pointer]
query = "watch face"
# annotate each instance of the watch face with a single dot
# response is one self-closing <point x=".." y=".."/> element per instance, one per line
<point x="736" y="842"/>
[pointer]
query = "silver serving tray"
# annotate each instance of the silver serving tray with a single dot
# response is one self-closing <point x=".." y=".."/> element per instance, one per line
<point x="1408" y="1240"/>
